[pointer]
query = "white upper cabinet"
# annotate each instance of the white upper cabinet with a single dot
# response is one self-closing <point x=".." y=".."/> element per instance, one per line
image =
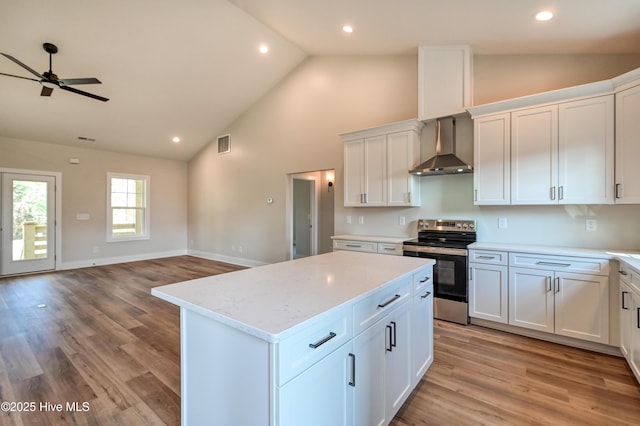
<point x="444" y="80"/>
<point x="491" y="156"/>
<point x="377" y="163"/>
<point x="627" y="186"/>
<point x="534" y="156"/>
<point x="586" y="151"/>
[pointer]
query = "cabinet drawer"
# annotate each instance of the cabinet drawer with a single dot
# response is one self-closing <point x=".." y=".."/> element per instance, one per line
<point x="422" y="279"/>
<point x="373" y="307"/>
<point x="489" y="256"/>
<point x="369" y="247"/>
<point x="302" y="350"/>
<point x="585" y="265"/>
<point x="388" y="248"/>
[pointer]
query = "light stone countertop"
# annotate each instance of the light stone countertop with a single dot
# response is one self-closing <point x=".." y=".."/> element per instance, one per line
<point x="371" y="238"/>
<point x="273" y="301"/>
<point x="629" y="257"/>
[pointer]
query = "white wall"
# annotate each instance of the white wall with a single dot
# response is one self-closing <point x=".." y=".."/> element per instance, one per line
<point x="84" y="190"/>
<point x="295" y="128"/>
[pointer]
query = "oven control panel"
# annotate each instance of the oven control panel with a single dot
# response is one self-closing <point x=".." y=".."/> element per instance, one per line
<point x="446" y="225"/>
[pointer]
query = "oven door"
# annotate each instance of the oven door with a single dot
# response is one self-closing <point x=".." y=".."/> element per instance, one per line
<point x="449" y="274"/>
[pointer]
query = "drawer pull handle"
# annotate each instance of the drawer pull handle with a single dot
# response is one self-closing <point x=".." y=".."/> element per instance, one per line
<point x="563" y="265"/>
<point x="352" y="382"/>
<point x="623" y="273"/>
<point x="623" y="299"/>
<point x="638" y="317"/>
<point x="354" y="246"/>
<point x="323" y="341"/>
<point x="486" y="257"/>
<point x="388" y="248"/>
<point x="390" y="301"/>
<point x="424" y="296"/>
<point x="425" y="279"/>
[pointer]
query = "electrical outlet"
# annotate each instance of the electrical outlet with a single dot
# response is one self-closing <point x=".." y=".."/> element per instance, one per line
<point x="502" y="222"/>
<point x="361" y="220"/>
<point x="402" y="220"/>
<point x="348" y="219"/>
<point x="591" y="225"/>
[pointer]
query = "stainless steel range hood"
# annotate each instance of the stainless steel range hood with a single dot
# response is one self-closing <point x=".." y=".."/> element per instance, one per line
<point x="445" y="161"/>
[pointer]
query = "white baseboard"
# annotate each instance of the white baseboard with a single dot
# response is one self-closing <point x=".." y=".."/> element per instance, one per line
<point x="120" y="259"/>
<point x="563" y="340"/>
<point x="226" y="259"/>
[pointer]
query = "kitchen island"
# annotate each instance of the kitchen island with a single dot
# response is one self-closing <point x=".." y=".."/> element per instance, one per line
<point x="339" y="338"/>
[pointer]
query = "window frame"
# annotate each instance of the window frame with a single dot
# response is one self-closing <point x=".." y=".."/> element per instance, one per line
<point x="145" y="233"/>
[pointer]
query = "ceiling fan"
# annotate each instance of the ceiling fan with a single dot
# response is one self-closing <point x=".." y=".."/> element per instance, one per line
<point x="50" y="81"/>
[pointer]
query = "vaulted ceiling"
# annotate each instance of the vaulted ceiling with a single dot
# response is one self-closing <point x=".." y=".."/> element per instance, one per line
<point x="190" y="68"/>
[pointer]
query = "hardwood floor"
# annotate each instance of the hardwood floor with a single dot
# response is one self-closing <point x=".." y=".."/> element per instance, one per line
<point x="105" y="343"/>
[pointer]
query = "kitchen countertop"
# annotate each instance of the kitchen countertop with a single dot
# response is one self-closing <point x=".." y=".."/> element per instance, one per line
<point x="631" y="258"/>
<point x="273" y="301"/>
<point x="372" y="238"/>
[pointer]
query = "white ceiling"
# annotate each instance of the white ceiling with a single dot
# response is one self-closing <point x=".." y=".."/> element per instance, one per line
<point x="190" y="68"/>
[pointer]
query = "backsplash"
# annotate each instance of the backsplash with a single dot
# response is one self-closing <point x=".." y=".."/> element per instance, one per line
<point x="451" y="197"/>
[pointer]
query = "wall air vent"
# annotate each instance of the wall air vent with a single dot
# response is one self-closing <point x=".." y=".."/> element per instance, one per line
<point x="224" y="144"/>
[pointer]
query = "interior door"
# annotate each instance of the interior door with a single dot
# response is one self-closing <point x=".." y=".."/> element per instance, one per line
<point x="27" y="223"/>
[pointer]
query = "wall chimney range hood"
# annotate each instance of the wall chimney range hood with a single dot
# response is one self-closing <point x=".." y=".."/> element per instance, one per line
<point x="445" y="161"/>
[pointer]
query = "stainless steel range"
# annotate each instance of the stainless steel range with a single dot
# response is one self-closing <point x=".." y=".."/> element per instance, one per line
<point x="446" y="242"/>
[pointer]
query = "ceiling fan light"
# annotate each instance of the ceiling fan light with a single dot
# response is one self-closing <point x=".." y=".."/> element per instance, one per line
<point x="48" y="84"/>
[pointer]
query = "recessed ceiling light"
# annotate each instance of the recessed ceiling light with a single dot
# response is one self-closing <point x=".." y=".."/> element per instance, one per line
<point x="176" y="139"/>
<point x="347" y="29"/>
<point x="544" y="15"/>
<point x="263" y="49"/>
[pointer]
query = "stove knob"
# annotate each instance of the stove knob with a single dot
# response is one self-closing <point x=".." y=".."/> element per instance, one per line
<point x="465" y="226"/>
<point x="471" y="226"/>
<point x="459" y="225"/>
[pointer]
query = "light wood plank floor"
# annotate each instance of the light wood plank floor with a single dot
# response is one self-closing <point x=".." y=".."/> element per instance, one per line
<point x="102" y="339"/>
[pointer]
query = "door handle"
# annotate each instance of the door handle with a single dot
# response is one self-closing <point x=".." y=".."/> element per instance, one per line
<point x="352" y="382"/>
<point x="388" y="344"/>
<point x="623" y="299"/>
<point x="557" y="284"/>
<point x="394" y="339"/>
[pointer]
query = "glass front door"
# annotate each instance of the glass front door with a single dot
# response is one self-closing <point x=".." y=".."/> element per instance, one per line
<point x="27" y="223"/>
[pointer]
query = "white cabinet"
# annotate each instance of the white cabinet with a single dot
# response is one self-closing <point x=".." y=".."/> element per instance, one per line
<point x="586" y="151"/>
<point x="534" y="155"/>
<point x="365" y="163"/>
<point x="546" y="298"/>
<point x="488" y="285"/>
<point x="630" y="317"/>
<point x="323" y="395"/>
<point x="368" y="244"/>
<point x="422" y="331"/>
<point x="397" y="368"/>
<point x="444" y="80"/>
<point x="377" y="163"/>
<point x="627" y="146"/>
<point x="556" y="153"/>
<point x="491" y="160"/>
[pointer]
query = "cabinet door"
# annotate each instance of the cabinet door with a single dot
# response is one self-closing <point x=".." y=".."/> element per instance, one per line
<point x="398" y="375"/>
<point x="488" y="292"/>
<point x="321" y="395"/>
<point x="492" y="160"/>
<point x="369" y="351"/>
<point x="534" y="155"/>
<point x="627" y="146"/>
<point x="353" y="172"/>
<point x="403" y="153"/>
<point x="626" y="319"/>
<point x="585" y="151"/>
<point x="634" y="359"/>
<point x="582" y="306"/>
<point x="375" y="171"/>
<point x="531" y="302"/>
<point x="422" y="333"/>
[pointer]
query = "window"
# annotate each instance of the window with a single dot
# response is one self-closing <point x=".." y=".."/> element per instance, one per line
<point x="127" y="207"/>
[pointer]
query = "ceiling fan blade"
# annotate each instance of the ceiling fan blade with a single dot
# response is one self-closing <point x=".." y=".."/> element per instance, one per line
<point x="26" y="67"/>
<point x="46" y="91"/>
<point x="19" y="76"/>
<point x="72" y="81"/>
<point x="80" y="92"/>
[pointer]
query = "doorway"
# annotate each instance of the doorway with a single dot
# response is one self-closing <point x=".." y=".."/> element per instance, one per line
<point x="28" y="233"/>
<point x="310" y="213"/>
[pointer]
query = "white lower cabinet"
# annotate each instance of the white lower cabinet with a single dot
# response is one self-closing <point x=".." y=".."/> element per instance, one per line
<point x="567" y="304"/>
<point x="422" y="332"/>
<point x="630" y="318"/>
<point x="488" y="286"/>
<point x="321" y="396"/>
